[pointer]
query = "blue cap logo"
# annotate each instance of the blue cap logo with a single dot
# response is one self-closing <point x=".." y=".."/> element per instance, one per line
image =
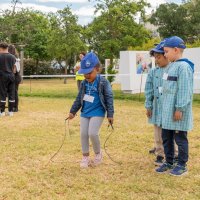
<point x="87" y="63"/>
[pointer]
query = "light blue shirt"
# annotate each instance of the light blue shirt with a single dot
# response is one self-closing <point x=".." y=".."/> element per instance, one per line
<point x="153" y="94"/>
<point x="178" y="95"/>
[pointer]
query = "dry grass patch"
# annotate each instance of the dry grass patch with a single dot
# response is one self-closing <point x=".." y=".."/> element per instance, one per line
<point x="31" y="137"/>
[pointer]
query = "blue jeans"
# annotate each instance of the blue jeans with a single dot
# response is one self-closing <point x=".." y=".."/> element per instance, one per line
<point x="181" y="140"/>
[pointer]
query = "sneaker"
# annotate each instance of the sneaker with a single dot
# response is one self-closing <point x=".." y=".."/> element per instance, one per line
<point x="164" y="168"/>
<point x="159" y="161"/>
<point x="178" y="171"/>
<point x="3" y="114"/>
<point x="152" y="151"/>
<point x="98" y="159"/>
<point x="10" y="114"/>
<point x="85" y="162"/>
<point x="15" y="109"/>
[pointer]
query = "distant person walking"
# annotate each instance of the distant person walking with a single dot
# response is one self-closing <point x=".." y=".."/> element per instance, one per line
<point x="7" y="80"/>
<point x="12" y="50"/>
<point x="79" y="77"/>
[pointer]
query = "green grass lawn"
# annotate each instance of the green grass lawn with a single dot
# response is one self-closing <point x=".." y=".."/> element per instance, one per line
<point x="33" y="135"/>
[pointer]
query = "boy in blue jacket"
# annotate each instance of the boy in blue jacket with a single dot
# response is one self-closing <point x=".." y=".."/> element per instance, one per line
<point x="95" y="98"/>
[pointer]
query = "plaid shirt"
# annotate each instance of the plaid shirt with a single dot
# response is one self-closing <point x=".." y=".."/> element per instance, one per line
<point x="153" y="94"/>
<point x="177" y="95"/>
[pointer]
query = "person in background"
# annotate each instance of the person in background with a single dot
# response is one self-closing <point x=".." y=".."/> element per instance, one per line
<point x="12" y="50"/>
<point x="79" y="77"/>
<point x="7" y="80"/>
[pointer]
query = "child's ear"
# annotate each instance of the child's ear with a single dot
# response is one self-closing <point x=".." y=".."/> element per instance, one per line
<point x="176" y="49"/>
<point x="97" y="69"/>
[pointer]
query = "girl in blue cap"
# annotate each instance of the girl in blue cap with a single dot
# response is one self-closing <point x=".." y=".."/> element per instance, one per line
<point x="176" y="106"/>
<point x="95" y="98"/>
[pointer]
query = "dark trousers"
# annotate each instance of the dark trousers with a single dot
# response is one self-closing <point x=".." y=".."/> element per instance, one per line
<point x="181" y="140"/>
<point x="7" y="88"/>
<point x="17" y="82"/>
<point x="16" y="97"/>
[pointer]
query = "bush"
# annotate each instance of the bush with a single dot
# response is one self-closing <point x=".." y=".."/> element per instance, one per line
<point x="43" y="68"/>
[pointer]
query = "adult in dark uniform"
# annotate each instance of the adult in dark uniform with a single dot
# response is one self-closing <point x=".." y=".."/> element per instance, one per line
<point x="7" y="79"/>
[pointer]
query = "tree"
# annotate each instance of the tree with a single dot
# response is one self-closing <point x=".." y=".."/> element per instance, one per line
<point x="193" y="8"/>
<point x="115" y="29"/>
<point x="64" y="38"/>
<point x="171" y="19"/>
<point x="146" y="46"/>
<point x="27" y="27"/>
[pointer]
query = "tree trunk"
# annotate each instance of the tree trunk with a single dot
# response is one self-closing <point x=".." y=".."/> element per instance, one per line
<point x="37" y="65"/>
<point x="65" y="79"/>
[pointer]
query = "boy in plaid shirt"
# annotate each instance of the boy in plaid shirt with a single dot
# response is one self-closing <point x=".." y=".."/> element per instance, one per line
<point x="177" y="96"/>
<point x="153" y="103"/>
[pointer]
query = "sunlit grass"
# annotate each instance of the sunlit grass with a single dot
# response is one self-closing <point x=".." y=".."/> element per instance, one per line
<point x="34" y="134"/>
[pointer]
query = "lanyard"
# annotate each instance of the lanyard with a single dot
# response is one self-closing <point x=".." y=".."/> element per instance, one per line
<point x="90" y="88"/>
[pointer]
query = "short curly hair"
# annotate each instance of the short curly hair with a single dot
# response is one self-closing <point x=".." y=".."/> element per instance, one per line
<point x="4" y="45"/>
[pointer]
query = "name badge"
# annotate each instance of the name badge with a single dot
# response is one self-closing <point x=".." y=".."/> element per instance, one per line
<point x="160" y="89"/>
<point x="165" y="76"/>
<point x="88" y="98"/>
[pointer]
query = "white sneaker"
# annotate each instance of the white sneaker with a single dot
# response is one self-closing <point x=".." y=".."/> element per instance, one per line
<point x="10" y="114"/>
<point x="85" y="162"/>
<point x="98" y="159"/>
<point x="3" y="114"/>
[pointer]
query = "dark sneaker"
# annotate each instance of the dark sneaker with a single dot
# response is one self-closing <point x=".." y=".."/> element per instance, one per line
<point x="159" y="161"/>
<point x="152" y="151"/>
<point x="178" y="171"/>
<point x="164" y="168"/>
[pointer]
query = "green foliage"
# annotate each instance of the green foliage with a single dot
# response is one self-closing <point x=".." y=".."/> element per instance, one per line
<point x="196" y="43"/>
<point x="171" y="19"/>
<point x="193" y="10"/>
<point x="45" y="37"/>
<point x="146" y="46"/>
<point x="26" y="27"/>
<point x="182" y="20"/>
<point x="64" y="39"/>
<point x="43" y="68"/>
<point x="115" y="29"/>
<point x="111" y="70"/>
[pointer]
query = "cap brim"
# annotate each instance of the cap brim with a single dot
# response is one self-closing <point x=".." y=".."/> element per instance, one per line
<point x="157" y="51"/>
<point x="85" y="71"/>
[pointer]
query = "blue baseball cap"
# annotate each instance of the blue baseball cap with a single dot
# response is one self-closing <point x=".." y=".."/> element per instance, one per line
<point x="173" y="42"/>
<point x="88" y="63"/>
<point x="158" y="49"/>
